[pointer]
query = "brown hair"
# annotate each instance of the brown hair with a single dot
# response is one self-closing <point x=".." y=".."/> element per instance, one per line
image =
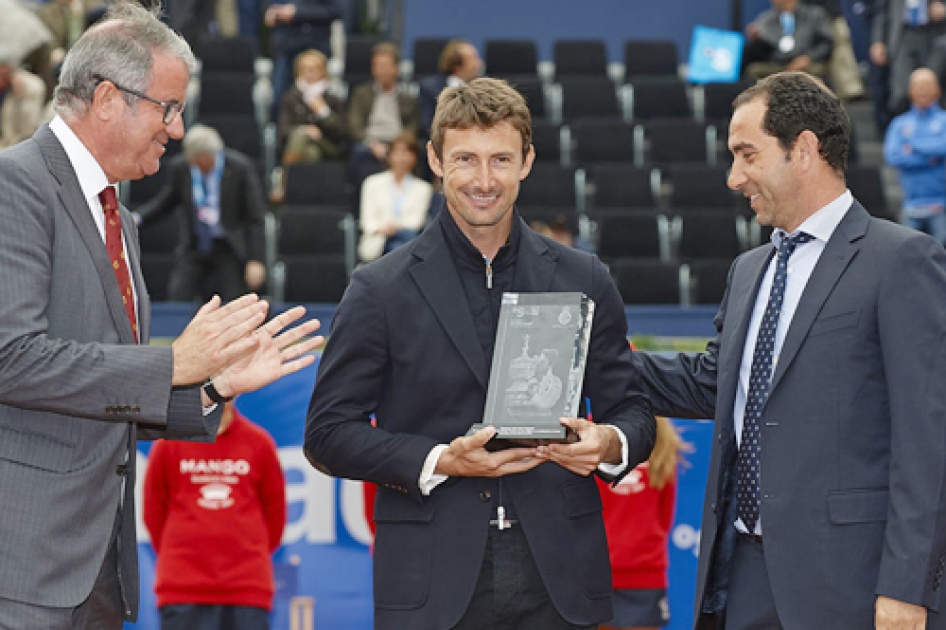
<point x="483" y="103"/>
<point x="409" y="140"/>
<point x="386" y="48"/>
<point x="796" y="101"/>
<point x="311" y="52"/>
<point x="666" y="454"/>
<point x="452" y="56"/>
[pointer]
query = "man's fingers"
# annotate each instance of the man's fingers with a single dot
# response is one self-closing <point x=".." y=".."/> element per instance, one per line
<point x="477" y="440"/>
<point x="209" y="307"/>
<point x="294" y="366"/>
<point x="299" y="349"/>
<point x="282" y="320"/>
<point x="293" y="335"/>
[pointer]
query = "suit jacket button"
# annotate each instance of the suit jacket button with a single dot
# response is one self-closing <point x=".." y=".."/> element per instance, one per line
<point x="485" y="496"/>
<point x="719" y="438"/>
<point x="121" y="469"/>
<point x="713" y="507"/>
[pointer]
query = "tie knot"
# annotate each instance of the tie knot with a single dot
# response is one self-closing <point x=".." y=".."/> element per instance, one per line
<point x="108" y="199"/>
<point x="789" y="243"/>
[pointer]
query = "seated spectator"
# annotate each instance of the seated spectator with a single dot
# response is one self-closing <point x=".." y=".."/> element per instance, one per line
<point x="378" y="113"/>
<point x="916" y="146"/>
<point x="311" y="123"/>
<point x="297" y="25"/>
<point x="23" y="97"/>
<point x="394" y="203"/>
<point x="219" y="200"/>
<point x="563" y="229"/>
<point x="789" y="36"/>
<point x="26" y="40"/>
<point x="843" y="73"/>
<point x="66" y="20"/>
<point x="639" y="560"/>
<point x="459" y="64"/>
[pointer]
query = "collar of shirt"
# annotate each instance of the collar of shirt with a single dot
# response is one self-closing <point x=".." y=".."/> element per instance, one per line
<point x="821" y="224"/>
<point x="92" y="178"/>
<point x="925" y="112"/>
<point x="467" y="255"/>
<point x="455" y="81"/>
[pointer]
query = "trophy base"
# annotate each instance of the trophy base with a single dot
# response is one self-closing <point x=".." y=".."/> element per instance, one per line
<point x="526" y="436"/>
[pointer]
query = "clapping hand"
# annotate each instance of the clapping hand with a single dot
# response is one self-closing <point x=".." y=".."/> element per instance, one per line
<point x="276" y="354"/>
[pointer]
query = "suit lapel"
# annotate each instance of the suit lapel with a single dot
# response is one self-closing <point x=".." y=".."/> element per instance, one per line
<point x="837" y="254"/>
<point x="439" y="282"/>
<point x="75" y="205"/>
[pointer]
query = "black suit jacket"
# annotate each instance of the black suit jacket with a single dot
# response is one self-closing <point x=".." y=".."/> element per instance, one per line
<point x="853" y="431"/>
<point x="241" y="205"/>
<point x="404" y="347"/>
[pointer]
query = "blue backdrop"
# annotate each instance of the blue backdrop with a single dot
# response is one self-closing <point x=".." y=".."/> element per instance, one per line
<point x="325" y="546"/>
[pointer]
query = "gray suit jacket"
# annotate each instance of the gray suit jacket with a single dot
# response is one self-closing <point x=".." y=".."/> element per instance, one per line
<point x="75" y="393"/>
<point x="853" y="432"/>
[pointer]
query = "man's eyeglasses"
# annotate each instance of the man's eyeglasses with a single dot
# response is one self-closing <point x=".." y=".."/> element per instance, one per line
<point x="171" y="109"/>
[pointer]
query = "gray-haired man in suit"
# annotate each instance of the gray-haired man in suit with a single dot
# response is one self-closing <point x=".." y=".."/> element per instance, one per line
<point x="826" y="500"/>
<point x="78" y="382"/>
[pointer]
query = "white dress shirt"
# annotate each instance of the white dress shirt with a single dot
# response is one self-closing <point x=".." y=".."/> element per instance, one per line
<point x="821" y="226"/>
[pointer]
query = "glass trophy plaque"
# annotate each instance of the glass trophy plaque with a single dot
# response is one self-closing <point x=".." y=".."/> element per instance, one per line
<point x="538" y="367"/>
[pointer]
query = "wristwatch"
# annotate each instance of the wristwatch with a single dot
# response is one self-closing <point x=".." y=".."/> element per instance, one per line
<point x="213" y="394"/>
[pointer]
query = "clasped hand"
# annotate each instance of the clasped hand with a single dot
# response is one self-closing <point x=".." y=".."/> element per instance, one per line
<point x="467" y="456"/>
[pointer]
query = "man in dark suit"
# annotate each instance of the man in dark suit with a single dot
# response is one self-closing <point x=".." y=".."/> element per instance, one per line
<point x="219" y="200"/>
<point x="459" y="64"/>
<point x="825" y="504"/>
<point x="79" y="383"/>
<point x="468" y="538"/>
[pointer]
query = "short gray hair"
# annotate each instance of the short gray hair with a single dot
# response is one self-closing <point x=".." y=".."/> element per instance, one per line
<point x="121" y="48"/>
<point x="201" y="139"/>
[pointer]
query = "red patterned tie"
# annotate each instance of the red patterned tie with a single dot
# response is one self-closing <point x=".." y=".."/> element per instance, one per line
<point x="116" y="253"/>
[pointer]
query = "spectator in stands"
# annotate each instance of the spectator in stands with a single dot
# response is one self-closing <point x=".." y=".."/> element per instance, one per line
<point x="66" y="20"/>
<point x="916" y="146"/>
<point x="394" y="203"/>
<point x="311" y="121"/>
<point x="25" y="39"/>
<point x="378" y="113"/>
<point x="216" y="513"/>
<point x="219" y="200"/>
<point x="843" y="73"/>
<point x="22" y="103"/>
<point x="459" y="64"/>
<point x="789" y="36"/>
<point x="564" y="229"/>
<point x="297" y="25"/>
<point x="638" y="516"/>
<point x="903" y="35"/>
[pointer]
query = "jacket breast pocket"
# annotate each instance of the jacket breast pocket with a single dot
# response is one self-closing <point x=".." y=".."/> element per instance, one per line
<point x="402" y="551"/>
<point x="834" y="323"/>
<point x="867" y="505"/>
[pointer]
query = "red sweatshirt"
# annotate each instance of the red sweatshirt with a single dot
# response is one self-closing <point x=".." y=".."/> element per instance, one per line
<point x="216" y="513"/>
<point x="638" y="519"/>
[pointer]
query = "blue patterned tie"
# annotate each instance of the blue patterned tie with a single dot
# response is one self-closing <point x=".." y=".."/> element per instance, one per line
<point x="747" y="464"/>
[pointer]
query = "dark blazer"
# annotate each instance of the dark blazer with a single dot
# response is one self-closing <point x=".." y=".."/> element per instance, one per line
<point x="242" y="207"/>
<point x="310" y="28"/>
<point x="359" y="108"/>
<point x="75" y="392"/>
<point x="853" y="432"/>
<point x="404" y="347"/>
<point x="814" y="35"/>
